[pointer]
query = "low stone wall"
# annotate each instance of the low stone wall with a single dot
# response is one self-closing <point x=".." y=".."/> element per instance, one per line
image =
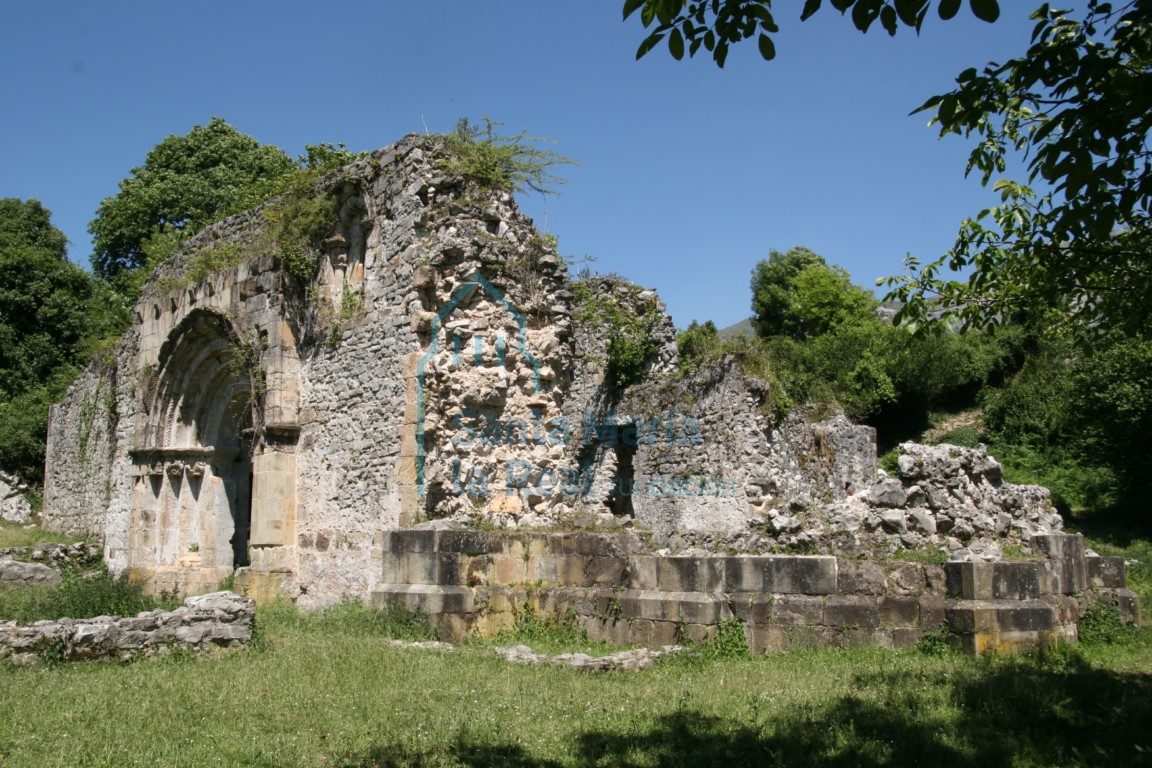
<point x="16" y="573"/>
<point x="612" y="588"/>
<point x="204" y="623"/>
<point x="78" y="554"/>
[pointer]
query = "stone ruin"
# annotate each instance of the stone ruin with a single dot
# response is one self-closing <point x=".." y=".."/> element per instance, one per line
<point x="440" y="369"/>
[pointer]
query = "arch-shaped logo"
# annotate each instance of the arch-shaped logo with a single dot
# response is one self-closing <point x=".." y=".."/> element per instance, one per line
<point x="463" y="293"/>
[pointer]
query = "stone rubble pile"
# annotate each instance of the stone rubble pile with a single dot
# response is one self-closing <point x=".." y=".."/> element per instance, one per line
<point x="206" y="622"/>
<point x="638" y="658"/>
<point x="13" y="506"/>
<point x="16" y="573"/>
<point x="80" y="553"/>
<point x="947" y="497"/>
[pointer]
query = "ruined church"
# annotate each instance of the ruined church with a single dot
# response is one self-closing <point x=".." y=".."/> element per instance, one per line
<point x="435" y="410"/>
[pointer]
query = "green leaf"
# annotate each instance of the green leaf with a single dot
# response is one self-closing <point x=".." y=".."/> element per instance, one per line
<point x="810" y="7"/>
<point x="767" y="47"/>
<point x="676" y="45"/>
<point x="910" y="11"/>
<point x="948" y="9"/>
<point x="649" y="43"/>
<point x="720" y="55"/>
<point x="864" y="13"/>
<point x="985" y="10"/>
<point x="630" y="7"/>
<point x="888" y="19"/>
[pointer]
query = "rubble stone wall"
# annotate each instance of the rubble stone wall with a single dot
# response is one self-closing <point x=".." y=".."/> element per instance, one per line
<point x="212" y="622"/>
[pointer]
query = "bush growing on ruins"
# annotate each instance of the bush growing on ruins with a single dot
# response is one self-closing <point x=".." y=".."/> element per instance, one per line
<point x="510" y="163"/>
<point x="188" y="182"/>
<point x="628" y="325"/>
<point x="185" y="183"/>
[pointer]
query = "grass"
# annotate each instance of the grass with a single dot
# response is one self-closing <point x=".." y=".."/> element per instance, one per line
<point x="328" y="689"/>
<point x="315" y="695"/>
<point x="17" y="535"/>
<point x="82" y="595"/>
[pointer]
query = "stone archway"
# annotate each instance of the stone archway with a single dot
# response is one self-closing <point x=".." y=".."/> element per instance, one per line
<point x="192" y="497"/>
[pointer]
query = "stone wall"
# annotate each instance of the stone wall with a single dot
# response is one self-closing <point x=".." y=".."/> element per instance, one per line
<point x="440" y="368"/>
<point x="611" y="587"/>
<point x="206" y="623"/>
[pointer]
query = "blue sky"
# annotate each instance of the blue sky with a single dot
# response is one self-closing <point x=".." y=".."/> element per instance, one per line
<point x="689" y="174"/>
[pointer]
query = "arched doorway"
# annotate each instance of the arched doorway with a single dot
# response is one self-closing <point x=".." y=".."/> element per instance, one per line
<point x="192" y="501"/>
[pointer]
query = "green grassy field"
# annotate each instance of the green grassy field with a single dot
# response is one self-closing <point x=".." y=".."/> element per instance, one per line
<point x="328" y="690"/>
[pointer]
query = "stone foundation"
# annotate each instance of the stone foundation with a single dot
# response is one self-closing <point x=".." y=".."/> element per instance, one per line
<point x="613" y="589"/>
<point x="210" y="622"/>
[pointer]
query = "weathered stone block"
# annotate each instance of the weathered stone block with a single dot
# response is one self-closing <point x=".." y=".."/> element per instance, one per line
<point x="1059" y="546"/>
<point x="451" y="569"/>
<point x="969" y="581"/>
<point x="752" y="609"/>
<point x="932" y="612"/>
<point x="907" y="579"/>
<point x="698" y="633"/>
<point x="696" y="608"/>
<point x="507" y="569"/>
<point x="797" y="609"/>
<point x="986" y="617"/>
<point x="859" y="577"/>
<point x="420" y="568"/>
<point x="936" y="580"/>
<point x="690" y="574"/>
<point x="464" y="542"/>
<point x="767" y="638"/>
<point x="414" y="541"/>
<point x="1125" y="603"/>
<point x="642" y="604"/>
<point x="588" y="544"/>
<point x="899" y="611"/>
<point x="743" y="574"/>
<point x="860" y="611"/>
<point x="642" y="573"/>
<point x="1106" y="572"/>
<point x="427" y="599"/>
<point x="1068" y="576"/>
<point x="559" y="569"/>
<point x="1019" y="581"/>
<point x="605" y="570"/>
<point x="799" y="575"/>
<point x="905" y="637"/>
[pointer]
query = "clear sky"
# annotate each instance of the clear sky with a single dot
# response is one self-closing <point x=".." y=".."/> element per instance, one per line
<point x="690" y="174"/>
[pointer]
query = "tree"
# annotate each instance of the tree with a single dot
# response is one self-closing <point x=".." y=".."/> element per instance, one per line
<point x="714" y="25"/>
<point x="1077" y="105"/>
<point x="185" y="183"/>
<point x="797" y="294"/>
<point x="52" y="317"/>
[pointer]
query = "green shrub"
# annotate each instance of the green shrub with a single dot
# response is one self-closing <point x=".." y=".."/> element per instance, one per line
<point x="1101" y="624"/>
<point x="729" y="642"/>
<point x="508" y="163"/>
<point x="966" y="437"/>
<point x="629" y="326"/>
<point x="81" y="596"/>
